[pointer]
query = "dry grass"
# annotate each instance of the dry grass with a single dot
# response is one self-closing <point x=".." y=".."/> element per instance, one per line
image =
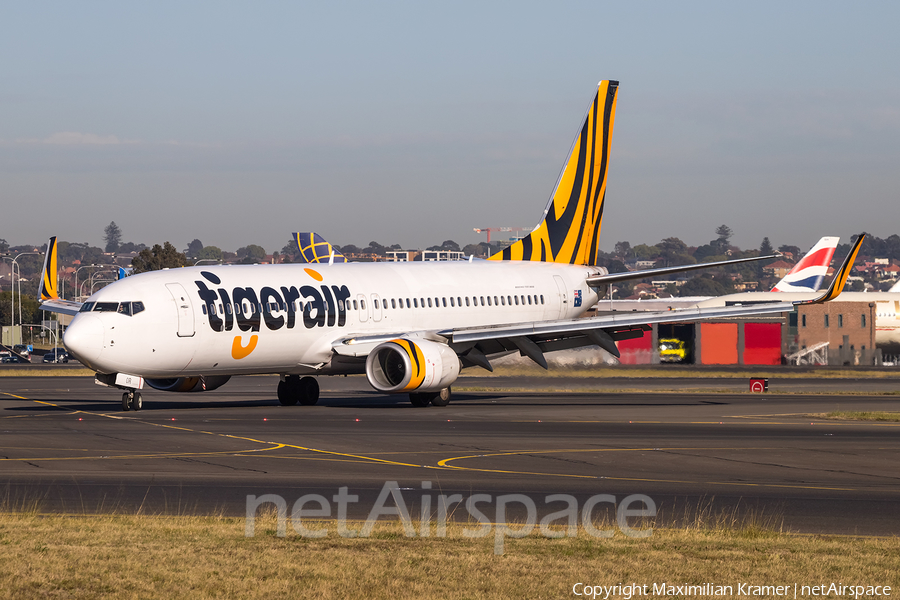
<point x="849" y="415"/>
<point x="26" y="371"/>
<point x="208" y="557"/>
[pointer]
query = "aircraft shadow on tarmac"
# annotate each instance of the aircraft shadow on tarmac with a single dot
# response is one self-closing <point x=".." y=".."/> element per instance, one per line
<point x="372" y="400"/>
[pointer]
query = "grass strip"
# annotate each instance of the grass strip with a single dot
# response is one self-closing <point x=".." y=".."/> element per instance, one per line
<point x="849" y="415"/>
<point x="121" y="556"/>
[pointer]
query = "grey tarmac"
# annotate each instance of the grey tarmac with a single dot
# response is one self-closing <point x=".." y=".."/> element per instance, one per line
<point x="66" y="446"/>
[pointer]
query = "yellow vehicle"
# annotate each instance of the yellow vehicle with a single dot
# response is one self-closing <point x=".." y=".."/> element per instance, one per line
<point x="672" y="350"/>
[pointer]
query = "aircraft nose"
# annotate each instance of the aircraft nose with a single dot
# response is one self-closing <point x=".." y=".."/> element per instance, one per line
<point x="84" y="338"/>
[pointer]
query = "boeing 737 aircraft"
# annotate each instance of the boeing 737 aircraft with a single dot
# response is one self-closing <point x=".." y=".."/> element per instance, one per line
<point x="410" y="327"/>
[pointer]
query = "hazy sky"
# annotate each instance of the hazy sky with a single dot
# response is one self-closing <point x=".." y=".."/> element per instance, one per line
<point x="414" y="122"/>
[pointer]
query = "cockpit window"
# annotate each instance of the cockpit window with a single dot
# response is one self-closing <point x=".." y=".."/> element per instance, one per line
<point x="123" y="308"/>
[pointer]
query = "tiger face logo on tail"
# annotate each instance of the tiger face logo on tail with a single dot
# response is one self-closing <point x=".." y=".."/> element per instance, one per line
<point x="570" y="228"/>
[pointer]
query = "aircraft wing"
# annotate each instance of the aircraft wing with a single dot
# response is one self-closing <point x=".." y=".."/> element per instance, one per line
<point x="65" y="307"/>
<point x="533" y="339"/>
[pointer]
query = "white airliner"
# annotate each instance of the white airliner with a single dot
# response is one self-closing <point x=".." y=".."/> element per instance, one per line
<point x="410" y="327"/>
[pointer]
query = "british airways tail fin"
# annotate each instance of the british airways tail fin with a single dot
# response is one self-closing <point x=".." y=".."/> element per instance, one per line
<point x="314" y="248"/>
<point x="807" y="275"/>
<point x="570" y="228"/>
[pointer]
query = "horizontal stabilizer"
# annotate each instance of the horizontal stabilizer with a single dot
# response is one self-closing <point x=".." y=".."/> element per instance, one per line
<point x="628" y="275"/>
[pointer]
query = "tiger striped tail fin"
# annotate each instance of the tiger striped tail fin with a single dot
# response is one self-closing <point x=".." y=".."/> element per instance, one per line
<point x="570" y="228"/>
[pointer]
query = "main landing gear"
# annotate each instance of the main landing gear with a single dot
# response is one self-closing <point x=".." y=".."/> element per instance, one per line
<point x="420" y="399"/>
<point x="293" y="389"/>
<point x="132" y="401"/>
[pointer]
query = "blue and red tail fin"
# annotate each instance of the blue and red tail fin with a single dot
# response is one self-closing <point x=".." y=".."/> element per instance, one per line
<point x="314" y="248"/>
<point x="570" y="228"/>
<point x="808" y="273"/>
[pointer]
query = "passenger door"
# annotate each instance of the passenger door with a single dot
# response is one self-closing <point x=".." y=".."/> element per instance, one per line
<point x="183" y="308"/>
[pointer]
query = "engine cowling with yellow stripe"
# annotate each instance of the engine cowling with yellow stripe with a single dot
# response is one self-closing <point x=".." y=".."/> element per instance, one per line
<point x="403" y="365"/>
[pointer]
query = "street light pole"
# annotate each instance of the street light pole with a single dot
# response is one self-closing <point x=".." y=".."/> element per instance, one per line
<point x="76" y="278"/>
<point x="20" y="281"/>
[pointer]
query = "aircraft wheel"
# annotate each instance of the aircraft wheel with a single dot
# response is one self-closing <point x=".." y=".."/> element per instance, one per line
<point x="287" y="395"/>
<point x="137" y="403"/>
<point x="308" y="389"/>
<point x="126" y="401"/>
<point x="420" y="399"/>
<point x="441" y="398"/>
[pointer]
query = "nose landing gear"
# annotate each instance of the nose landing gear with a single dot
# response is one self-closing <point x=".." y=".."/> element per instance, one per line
<point x="132" y="401"/>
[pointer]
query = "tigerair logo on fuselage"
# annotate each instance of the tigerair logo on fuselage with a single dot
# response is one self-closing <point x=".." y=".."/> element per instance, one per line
<point x="249" y="310"/>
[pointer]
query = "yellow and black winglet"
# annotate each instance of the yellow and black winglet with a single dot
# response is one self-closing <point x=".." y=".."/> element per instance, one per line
<point x="840" y="276"/>
<point x="49" y="290"/>
<point x="570" y="228"/>
<point x="314" y="249"/>
<point x="49" y="279"/>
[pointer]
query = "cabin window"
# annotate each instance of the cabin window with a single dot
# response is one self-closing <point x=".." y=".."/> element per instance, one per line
<point x="228" y="309"/>
<point x="542" y="298"/>
<point x="376" y="303"/>
<point x="523" y="300"/>
<point x="452" y="301"/>
<point x="516" y="299"/>
<point x="458" y="301"/>
<point x="407" y="303"/>
<point x="203" y="309"/>
<point x="429" y="303"/>
<point x="467" y="300"/>
<point x="355" y="305"/>
<point x="362" y="305"/>
<point x="481" y="298"/>
<point x="341" y="305"/>
<point x="415" y="303"/>
<point x="502" y="300"/>
<point x="529" y="300"/>
<point x="496" y="302"/>
<point x="444" y="302"/>
<point x="106" y="307"/>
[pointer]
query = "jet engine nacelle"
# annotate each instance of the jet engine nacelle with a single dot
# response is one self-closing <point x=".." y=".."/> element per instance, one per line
<point x="403" y="365"/>
<point x="201" y="383"/>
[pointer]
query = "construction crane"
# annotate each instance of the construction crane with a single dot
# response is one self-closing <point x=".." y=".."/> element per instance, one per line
<point x="488" y="230"/>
